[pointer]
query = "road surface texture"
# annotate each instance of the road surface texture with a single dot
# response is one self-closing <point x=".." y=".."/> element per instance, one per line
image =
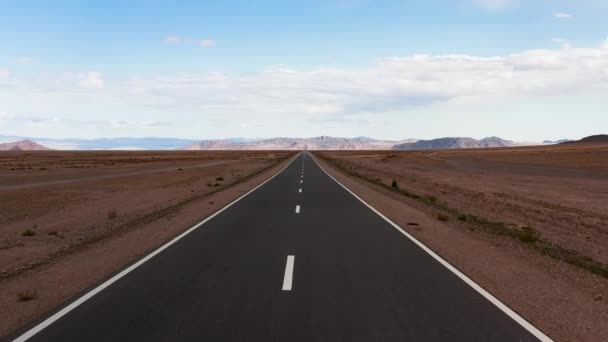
<point x="298" y="259"/>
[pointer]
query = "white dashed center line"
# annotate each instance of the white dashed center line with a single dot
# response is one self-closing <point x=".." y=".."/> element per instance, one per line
<point x="300" y="190"/>
<point x="297" y="209"/>
<point x="288" y="278"/>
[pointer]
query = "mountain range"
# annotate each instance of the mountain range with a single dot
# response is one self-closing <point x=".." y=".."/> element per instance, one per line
<point x="105" y="144"/>
<point x="592" y="139"/>
<point x="359" y="143"/>
<point x="316" y="143"/>
<point x="452" y="143"/>
<point x="283" y="143"/>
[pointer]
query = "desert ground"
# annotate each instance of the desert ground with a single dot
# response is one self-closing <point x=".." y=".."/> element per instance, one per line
<point x="69" y="219"/>
<point x="528" y="223"/>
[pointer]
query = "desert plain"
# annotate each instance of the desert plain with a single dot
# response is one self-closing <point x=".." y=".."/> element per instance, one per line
<point x="529" y="224"/>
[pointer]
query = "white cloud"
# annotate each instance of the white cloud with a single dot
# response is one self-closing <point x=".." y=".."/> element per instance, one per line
<point x="561" y="15"/>
<point x="173" y="40"/>
<point x="5" y="116"/>
<point x="206" y="43"/>
<point x="390" y="89"/>
<point x="391" y="84"/>
<point x="23" y="60"/>
<point x="5" y="74"/>
<point x="495" y="4"/>
<point x="179" y="40"/>
<point x="563" y="42"/>
<point x="91" y="79"/>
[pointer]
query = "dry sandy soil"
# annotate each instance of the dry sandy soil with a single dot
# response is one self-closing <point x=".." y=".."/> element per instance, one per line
<point x="69" y="219"/>
<point x="559" y="282"/>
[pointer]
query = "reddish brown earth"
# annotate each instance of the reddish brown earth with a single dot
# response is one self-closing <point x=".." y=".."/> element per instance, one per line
<point x="561" y="191"/>
<point x="69" y="219"/>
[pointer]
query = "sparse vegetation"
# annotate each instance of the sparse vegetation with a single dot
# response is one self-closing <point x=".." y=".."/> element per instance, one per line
<point x="394" y="184"/>
<point x="112" y="214"/>
<point x="462" y="217"/>
<point x="219" y="179"/>
<point x="28" y="232"/>
<point x="443" y="217"/>
<point x="529" y="234"/>
<point x="217" y="184"/>
<point x="430" y="198"/>
<point x="53" y="233"/>
<point x="27" y="295"/>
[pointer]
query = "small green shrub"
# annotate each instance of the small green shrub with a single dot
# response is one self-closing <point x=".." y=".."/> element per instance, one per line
<point x="443" y="217"/>
<point x="463" y="217"/>
<point x="112" y="214"/>
<point x="219" y="179"/>
<point x="431" y="198"/>
<point x="529" y="234"/>
<point x="28" y="232"/>
<point x="27" y="295"/>
<point x="394" y="184"/>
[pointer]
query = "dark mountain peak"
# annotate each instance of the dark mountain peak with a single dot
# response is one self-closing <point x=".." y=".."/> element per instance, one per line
<point x="592" y="139"/>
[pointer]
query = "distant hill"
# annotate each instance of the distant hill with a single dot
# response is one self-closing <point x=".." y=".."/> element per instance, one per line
<point x="282" y="143"/>
<point x="593" y="139"/>
<point x="454" y="143"/>
<point x="23" y="145"/>
<point x="316" y="143"/>
<point x="556" y="141"/>
<point x="107" y="143"/>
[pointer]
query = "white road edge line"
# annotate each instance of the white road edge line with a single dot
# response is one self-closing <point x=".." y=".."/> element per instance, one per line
<point x="297" y="209"/>
<point x="288" y="278"/>
<point x="28" y="334"/>
<point x="503" y="307"/>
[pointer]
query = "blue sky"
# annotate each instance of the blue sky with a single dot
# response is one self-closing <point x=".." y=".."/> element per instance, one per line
<point x="520" y="69"/>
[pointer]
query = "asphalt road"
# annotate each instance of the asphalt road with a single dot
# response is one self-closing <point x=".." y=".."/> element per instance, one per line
<point x="288" y="265"/>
